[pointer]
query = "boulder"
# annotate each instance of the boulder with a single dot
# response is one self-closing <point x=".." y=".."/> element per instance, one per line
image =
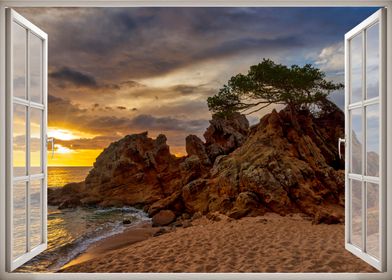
<point x="195" y="196"/>
<point x="172" y="202"/>
<point x="136" y="171"/>
<point x="163" y="218"/>
<point x="68" y="196"/>
<point x="225" y="134"/>
<point x="194" y="146"/>
<point x="192" y="168"/>
<point x="246" y="204"/>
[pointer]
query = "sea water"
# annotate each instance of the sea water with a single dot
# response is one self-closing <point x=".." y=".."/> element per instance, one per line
<point x="71" y="231"/>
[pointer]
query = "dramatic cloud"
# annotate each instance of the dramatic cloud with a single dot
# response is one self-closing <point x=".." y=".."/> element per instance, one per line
<point x="117" y="71"/>
<point x="167" y="123"/>
<point x="331" y="58"/>
<point x="66" y="74"/>
<point x="146" y="42"/>
<point x="99" y="142"/>
<point x="86" y="120"/>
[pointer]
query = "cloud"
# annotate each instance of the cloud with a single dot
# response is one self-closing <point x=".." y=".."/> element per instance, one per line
<point x="74" y="77"/>
<point x="250" y="44"/>
<point x="99" y="142"/>
<point x="184" y="89"/>
<point x="150" y="42"/>
<point x="167" y="123"/>
<point x="57" y="104"/>
<point x="85" y="120"/>
<point x="154" y="67"/>
<point x="131" y="84"/>
<point x="331" y="58"/>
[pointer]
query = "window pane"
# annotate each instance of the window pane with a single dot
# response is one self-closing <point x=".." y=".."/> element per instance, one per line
<point x="356" y="141"/>
<point x="19" y="140"/>
<point x="356" y="213"/>
<point x="372" y="61"/>
<point x="356" y="68"/>
<point x="36" y="139"/>
<point x="372" y="140"/>
<point x="35" y="68"/>
<point x="35" y="213"/>
<point x="19" y="220"/>
<point x="373" y="220"/>
<point x="19" y="60"/>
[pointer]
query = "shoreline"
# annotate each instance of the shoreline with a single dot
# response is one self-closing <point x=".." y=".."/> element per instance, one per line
<point x="135" y="233"/>
<point x="269" y="243"/>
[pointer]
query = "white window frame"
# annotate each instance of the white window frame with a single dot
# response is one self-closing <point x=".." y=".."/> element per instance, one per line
<point x="14" y="17"/>
<point x="377" y="17"/>
<point x="191" y="3"/>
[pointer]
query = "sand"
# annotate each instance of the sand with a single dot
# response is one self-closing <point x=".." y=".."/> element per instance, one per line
<point x="130" y="236"/>
<point x="253" y="244"/>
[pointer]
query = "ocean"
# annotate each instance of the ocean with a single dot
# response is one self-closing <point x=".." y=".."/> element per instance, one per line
<point x="72" y="231"/>
<point x="58" y="176"/>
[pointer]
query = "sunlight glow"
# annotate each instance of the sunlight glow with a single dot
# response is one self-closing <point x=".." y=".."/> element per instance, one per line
<point x="83" y="157"/>
<point x="62" y="150"/>
<point x="61" y="134"/>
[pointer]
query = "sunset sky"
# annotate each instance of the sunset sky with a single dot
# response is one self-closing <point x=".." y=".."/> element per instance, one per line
<point x="118" y="71"/>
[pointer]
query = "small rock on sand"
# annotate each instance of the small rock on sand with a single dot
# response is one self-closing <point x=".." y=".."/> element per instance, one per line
<point x="163" y="218"/>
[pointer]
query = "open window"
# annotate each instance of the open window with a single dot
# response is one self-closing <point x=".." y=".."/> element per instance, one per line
<point x="365" y="113"/>
<point x="365" y="140"/>
<point x="26" y="143"/>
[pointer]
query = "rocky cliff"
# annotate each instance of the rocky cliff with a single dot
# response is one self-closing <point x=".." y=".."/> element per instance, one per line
<point x="287" y="163"/>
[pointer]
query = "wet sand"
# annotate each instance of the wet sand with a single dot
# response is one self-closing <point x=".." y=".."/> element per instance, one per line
<point x="128" y="237"/>
<point x="254" y="244"/>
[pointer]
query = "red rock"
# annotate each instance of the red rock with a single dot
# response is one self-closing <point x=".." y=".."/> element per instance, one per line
<point x="287" y="163"/>
<point x="282" y="164"/>
<point x="225" y="134"/>
<point x="163" y="218"/>
<point x="194" y="146"/>
<point x="136" y="170"/>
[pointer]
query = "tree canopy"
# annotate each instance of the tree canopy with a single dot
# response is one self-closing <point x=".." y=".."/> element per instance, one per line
<point x="269" y="83"/>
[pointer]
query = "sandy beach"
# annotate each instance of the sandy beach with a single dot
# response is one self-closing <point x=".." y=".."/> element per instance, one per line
<point x="270" y="243"/>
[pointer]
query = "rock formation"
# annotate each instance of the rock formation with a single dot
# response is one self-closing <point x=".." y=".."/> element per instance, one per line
<point x="284" y="166"/>
<point x="135" y="170"/>
<point x="287" y="163"/>
<point x="225" y="134"/>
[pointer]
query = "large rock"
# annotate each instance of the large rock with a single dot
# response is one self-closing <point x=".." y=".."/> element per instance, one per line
<point x="172" y="202"/>
<point x="286" y="163"/>
<point x="246" y="204"/>
<point x="195" y="196"/>
<point x="163" y="218"/>
<point x="68" y="196"/>
<point x="225" y="134"/>
<point x="136" y="170"/>
<point x="195" y="147"/>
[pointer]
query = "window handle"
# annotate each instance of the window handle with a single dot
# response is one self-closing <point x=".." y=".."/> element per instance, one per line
<point x="340" y="141"/>
<point x="51" y="140"/>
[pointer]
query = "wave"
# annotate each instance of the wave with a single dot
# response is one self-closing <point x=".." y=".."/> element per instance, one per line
<point x="56" y="257"/>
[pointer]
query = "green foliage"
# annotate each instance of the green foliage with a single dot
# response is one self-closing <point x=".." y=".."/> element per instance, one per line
<point x="268" y="83"/>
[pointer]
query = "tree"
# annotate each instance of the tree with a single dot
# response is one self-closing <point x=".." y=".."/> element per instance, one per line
<point x="269" y="83"/>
